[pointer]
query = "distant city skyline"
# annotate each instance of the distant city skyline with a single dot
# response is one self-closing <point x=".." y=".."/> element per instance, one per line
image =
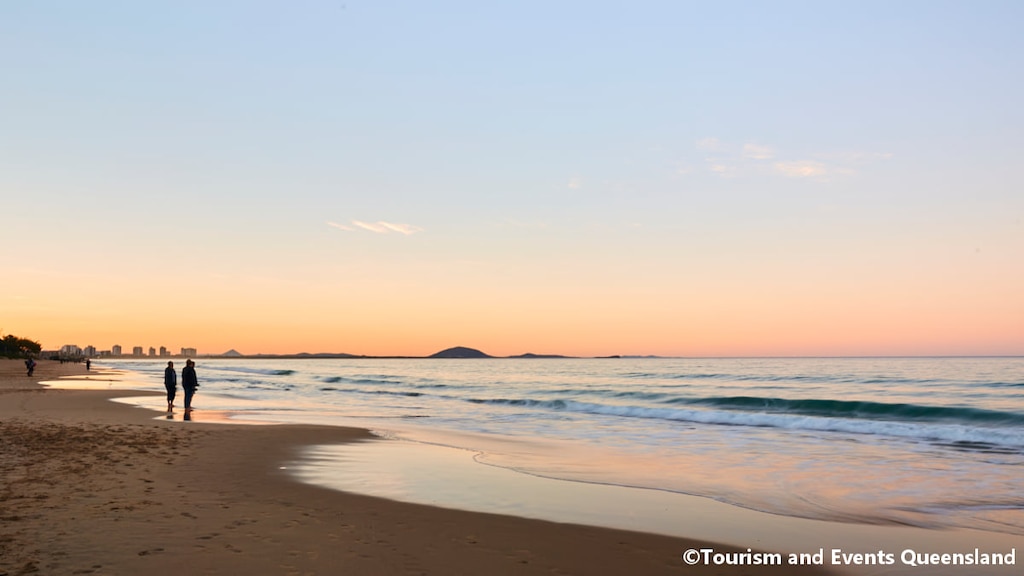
<point x="116" y="350"/>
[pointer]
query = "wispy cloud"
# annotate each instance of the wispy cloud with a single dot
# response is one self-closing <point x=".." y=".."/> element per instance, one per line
<point x="575" y="183"/>
<point x="407" y="229"/>
<point x="754" y="159"/>
<point x="757" y="152"/>
<point x="380" y="227"/>
<point x="341" y="226"/>
<point x="722" y="169"/>
<point x="709" y="144"/>
<point x="801" y="169"/>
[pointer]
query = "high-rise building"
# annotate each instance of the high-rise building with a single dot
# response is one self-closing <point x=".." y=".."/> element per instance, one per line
<point x="90" y="351"/>
<point x="163" y="351"/>
<point x="137" y="351"/>
<point x="70" y="351"/>
<point x="188" y="352"/>
<point x="115" y="350"/>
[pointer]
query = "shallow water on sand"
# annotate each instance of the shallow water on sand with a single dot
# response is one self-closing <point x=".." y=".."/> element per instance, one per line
<point x="923" y="442"/>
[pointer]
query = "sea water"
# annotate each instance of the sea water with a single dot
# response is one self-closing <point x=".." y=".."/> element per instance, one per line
<point x="931" y="442"/>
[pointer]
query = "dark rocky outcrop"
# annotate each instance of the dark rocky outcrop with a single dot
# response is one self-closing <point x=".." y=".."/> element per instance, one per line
<point x="460" y="352"/>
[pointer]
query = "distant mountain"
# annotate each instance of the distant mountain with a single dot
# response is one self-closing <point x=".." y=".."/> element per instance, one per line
<point x="456" y="352"/>
<point x="460" y="352"/>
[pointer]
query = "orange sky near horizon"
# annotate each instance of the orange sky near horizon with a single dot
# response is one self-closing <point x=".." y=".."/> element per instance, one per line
<point x="742" y="312"/>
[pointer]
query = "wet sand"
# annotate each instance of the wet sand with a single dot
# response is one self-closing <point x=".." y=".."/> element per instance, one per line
<point x="97" y="487"/>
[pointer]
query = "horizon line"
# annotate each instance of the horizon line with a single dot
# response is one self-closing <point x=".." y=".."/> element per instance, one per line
<point x="529" y="355"/>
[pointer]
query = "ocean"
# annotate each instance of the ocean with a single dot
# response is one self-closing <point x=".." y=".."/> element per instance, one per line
<point x="925" y="442"/>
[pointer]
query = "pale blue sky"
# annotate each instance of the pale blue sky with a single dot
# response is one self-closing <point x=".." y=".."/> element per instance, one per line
<point x="557" y="144"/>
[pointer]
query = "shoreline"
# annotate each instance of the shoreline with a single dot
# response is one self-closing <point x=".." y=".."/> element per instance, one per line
<point x="705" y="466"/>
<point x="98" y="487"/>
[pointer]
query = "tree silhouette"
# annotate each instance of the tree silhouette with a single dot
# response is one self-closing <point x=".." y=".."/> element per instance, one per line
<point x="12" y="346"/>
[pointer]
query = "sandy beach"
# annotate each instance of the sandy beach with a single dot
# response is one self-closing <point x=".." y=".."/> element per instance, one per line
<point x="97" y="487"/>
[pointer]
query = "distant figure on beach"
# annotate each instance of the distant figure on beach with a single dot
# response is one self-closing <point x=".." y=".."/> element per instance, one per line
<point x="30" y="364"/>
<point x="171" y="383"/>
<point x="189" y="383"/>
<point x="88" y="364"/>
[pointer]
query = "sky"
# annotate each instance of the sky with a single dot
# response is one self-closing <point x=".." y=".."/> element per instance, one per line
<point x="673" y="178"/>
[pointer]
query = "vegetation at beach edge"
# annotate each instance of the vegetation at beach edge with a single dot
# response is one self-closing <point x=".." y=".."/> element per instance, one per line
<point x="12" y="346"/>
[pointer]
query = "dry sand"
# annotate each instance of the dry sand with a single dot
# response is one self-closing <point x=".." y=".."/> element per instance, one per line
<point x="90" y="486"/>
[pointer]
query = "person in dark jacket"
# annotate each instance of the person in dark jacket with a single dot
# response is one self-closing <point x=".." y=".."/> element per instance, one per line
<point x="171" y="383"/>
<point x="189" y="382"/>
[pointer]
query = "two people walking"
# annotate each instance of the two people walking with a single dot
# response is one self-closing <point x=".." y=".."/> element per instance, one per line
<point x="189" y="383"/>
